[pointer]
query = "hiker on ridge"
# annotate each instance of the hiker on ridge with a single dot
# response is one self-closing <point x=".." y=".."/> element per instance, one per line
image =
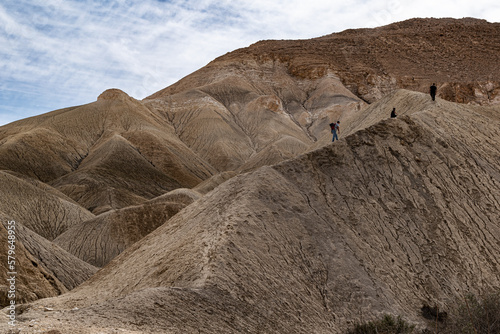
<point x="335" y="127"/>
<point x="433" y="91"/>
<point x="393" y="113"/>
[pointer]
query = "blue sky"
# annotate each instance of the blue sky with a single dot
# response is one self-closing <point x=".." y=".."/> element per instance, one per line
<point x="62" y="53"/>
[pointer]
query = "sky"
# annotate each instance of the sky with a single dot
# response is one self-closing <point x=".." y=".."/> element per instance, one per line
<point x="62" y="53"/>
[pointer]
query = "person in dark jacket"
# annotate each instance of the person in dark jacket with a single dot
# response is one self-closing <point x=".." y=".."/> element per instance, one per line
<point x="433" y="91"/>
<point x="335" y="127"/>
<point x="393" y="113"/>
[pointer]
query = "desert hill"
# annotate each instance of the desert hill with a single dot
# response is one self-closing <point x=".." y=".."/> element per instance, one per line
<point x="43" y="269"/>
<point x="108" y="154"/>
<point x="315" y="81"/>
<point x="459" y="55"/>
<point x="255" y="106"/>
<point x="220" y="204"/>
<point x="398" y="214"/>
<point x="97" y="241"/>
<point x="40" y="207"/>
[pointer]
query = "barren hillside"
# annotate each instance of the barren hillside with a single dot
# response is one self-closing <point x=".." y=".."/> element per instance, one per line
<point x="43" y="269"/>
<point x="97" y="241"/>
<point x="40" y="207"/>
<point x="402" y="213"/>
<point x="461" y="56"/>
<point x="220" y="205"/>
<point x="105" y="155"/>
<point x="255" y="106"/>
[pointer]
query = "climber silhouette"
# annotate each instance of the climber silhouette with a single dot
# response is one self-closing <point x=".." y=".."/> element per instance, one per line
<point x="433" y="91"/>
<point x="393" y="113"/>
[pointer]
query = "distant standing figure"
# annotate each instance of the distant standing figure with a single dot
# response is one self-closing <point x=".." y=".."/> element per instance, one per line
<point x="335" y="129"/>
<point x="433" y="91"/>
<point x="393" y="113"/>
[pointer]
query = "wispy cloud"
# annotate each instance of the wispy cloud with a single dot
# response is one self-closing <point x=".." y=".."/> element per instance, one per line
<point x="59" y="53"/>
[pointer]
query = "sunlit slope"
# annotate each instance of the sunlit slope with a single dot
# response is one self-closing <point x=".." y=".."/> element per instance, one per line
<point x="108" y="154"/>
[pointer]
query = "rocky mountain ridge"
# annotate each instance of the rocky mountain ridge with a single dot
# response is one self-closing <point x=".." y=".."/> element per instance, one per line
<point x="459" y="55"/>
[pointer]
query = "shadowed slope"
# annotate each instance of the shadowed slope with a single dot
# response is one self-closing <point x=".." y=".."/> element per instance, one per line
<point x="114" y="175"/>
<point x="41" y="268"/>
<point x="31" y="280"/>
<point x="213" y="182"/>
<point x="394" y="215"/>
<point x="97" y="241"/>
<point x="38" y="206"/>
<point x="65" y="267"/>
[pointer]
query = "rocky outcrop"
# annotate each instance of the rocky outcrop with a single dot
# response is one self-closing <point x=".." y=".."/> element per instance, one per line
<point x="374" y="62"/>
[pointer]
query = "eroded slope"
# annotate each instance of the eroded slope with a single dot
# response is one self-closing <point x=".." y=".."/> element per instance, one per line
<point x="97" y="241"/>
<point x="402" y="213"/>
<point x="108" y="154"/>
<point x="43" y="209"/>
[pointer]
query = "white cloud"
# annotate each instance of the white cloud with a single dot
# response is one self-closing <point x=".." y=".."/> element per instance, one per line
<point x="58" y="53"/>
